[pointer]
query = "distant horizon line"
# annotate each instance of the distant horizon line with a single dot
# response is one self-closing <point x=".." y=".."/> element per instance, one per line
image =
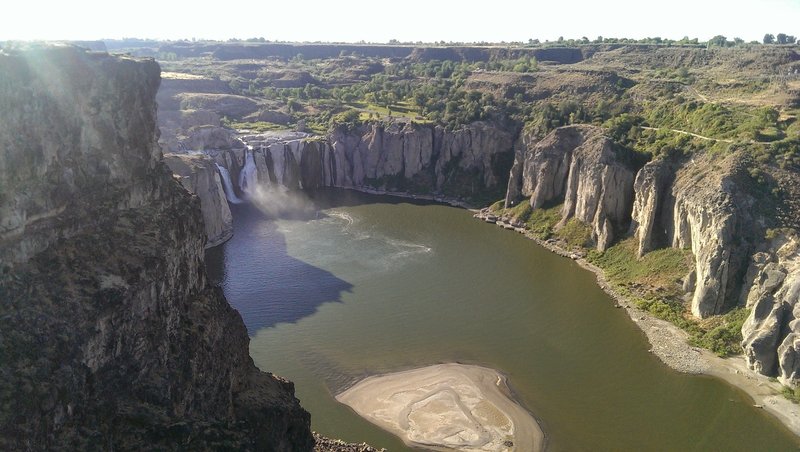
<point x="655" y="40"/>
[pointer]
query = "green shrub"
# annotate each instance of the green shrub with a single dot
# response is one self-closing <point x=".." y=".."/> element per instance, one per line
<point x="497" y="207"/>
<point x="663" y="268"/>
<point x="349" y="120"/>
<point x="792" y="394"/>
<point x="724" y="334"/>
<point x="576" y="233"/>
<point x="521" y="212"/>
<point x="542" y="222"/>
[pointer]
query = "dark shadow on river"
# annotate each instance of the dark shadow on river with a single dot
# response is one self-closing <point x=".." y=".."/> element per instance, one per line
<point x="259" y="277"/>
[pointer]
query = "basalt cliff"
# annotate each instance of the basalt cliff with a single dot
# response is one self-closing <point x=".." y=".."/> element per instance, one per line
<point x="408" y="158"/>
<point x="111" y="336"/>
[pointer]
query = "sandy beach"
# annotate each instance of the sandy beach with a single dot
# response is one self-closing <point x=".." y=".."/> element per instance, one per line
<point x="446" y="407"/>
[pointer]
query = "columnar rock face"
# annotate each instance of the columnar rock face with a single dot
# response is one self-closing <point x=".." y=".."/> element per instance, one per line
<point x="712" y="216"/>
<point x="599" y="189"/>
<point x="652" y="196"/>
<point x="702" y="204"/>
<point x="546" y="165"/>
<point x="199" y="174"/>
<point x="395" y="157"/>
<point x="112" y="336"/>
<point x="772" y="331"/>
<point x="579" y="165"/>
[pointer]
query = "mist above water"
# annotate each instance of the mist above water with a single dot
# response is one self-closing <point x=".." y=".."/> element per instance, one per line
<point x="278" y="202"/>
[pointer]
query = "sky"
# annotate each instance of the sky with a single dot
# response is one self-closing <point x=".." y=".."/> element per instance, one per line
<point x="404" y="20"/>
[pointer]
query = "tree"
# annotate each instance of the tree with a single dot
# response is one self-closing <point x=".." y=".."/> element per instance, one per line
<point x="718" y="41"/>
<point x="293" y="105"/>
<point x="783" y="38"/>
<point x="769" y="39"/>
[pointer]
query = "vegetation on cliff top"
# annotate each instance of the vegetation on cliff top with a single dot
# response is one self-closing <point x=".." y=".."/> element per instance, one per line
<point x="653" y="103"/>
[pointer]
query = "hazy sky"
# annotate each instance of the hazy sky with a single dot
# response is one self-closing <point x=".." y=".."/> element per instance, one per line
<point x="406" y="20"/>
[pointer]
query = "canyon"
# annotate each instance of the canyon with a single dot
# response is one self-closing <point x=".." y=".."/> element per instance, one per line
<point x="703" y="205"/>
<point x="116" y="336"/>
<point x="718" y="205"/>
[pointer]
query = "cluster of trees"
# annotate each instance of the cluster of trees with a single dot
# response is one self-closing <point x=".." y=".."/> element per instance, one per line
<point x="780" y="38"/>
<point x="657" y="40"/>
<point x="548" y="116"/>
<point x="722" y="41"/>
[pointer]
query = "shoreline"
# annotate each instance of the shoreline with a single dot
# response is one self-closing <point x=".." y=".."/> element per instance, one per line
<point x="477" y="401"/>
<point x="453" y="202"/>
<point x="670" y="344"/>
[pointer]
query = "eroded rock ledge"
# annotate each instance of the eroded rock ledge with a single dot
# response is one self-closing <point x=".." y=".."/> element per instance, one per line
<point x="111" y="333"/>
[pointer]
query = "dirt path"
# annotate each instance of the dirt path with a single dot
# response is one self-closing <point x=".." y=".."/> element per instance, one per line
<point x="683" y="132"/>
<point x="722" y="140"/>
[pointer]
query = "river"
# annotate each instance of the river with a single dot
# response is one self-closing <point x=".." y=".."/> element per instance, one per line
<point x="346" y="285"/>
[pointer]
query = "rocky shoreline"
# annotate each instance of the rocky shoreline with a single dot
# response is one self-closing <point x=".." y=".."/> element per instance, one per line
<point x="670" y="344"/>
<point x="324" y="444"/>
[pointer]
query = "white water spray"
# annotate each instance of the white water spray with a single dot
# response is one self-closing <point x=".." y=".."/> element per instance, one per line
<point x="248" y="178"/>
<point x="228" y="185"/>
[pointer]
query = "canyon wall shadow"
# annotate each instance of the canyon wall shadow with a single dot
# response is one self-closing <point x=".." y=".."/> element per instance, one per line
<point x="261" y="280"/>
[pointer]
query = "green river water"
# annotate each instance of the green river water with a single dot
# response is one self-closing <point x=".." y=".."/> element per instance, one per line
<point x="350" y="285"/>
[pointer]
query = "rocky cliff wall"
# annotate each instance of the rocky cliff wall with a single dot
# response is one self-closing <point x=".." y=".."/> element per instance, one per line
<point x="400" y="157"/>
<point x="199" y="174"/>
<point x="580" y="166"/>
<point x="703" y="204"/>
<point x="772" y="331"/>
<point x="650" y="219"/>
<point x="711" y="214"/>
<point x="111" y="335"/>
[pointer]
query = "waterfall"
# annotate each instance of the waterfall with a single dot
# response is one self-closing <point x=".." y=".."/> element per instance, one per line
<point x="226" y="182"/>
<point x="277" y="153"/>
<point x="248" y="178"/>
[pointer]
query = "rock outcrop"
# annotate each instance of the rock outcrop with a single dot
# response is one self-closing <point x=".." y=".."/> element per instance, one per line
<point x="772" y="331"/>
<point x="651" y="217"/>
<point x="199" y="174"/>
<point x="111" y="335"/>
<point x="711" y="216"/>
<point x="580" y="166"/>
<point x="703" y="204"/>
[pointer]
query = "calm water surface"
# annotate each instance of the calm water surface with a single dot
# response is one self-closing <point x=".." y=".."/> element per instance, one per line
<point x="347" y="285"/>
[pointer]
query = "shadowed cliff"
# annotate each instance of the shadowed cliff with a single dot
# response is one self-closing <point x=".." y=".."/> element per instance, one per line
<point x="110" y="335"/>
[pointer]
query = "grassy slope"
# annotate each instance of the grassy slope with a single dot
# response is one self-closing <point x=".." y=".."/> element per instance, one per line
<point x="653" y="283"/>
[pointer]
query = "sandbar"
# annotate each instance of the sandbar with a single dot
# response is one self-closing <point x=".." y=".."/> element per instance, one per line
<point x="445" y="407"/>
